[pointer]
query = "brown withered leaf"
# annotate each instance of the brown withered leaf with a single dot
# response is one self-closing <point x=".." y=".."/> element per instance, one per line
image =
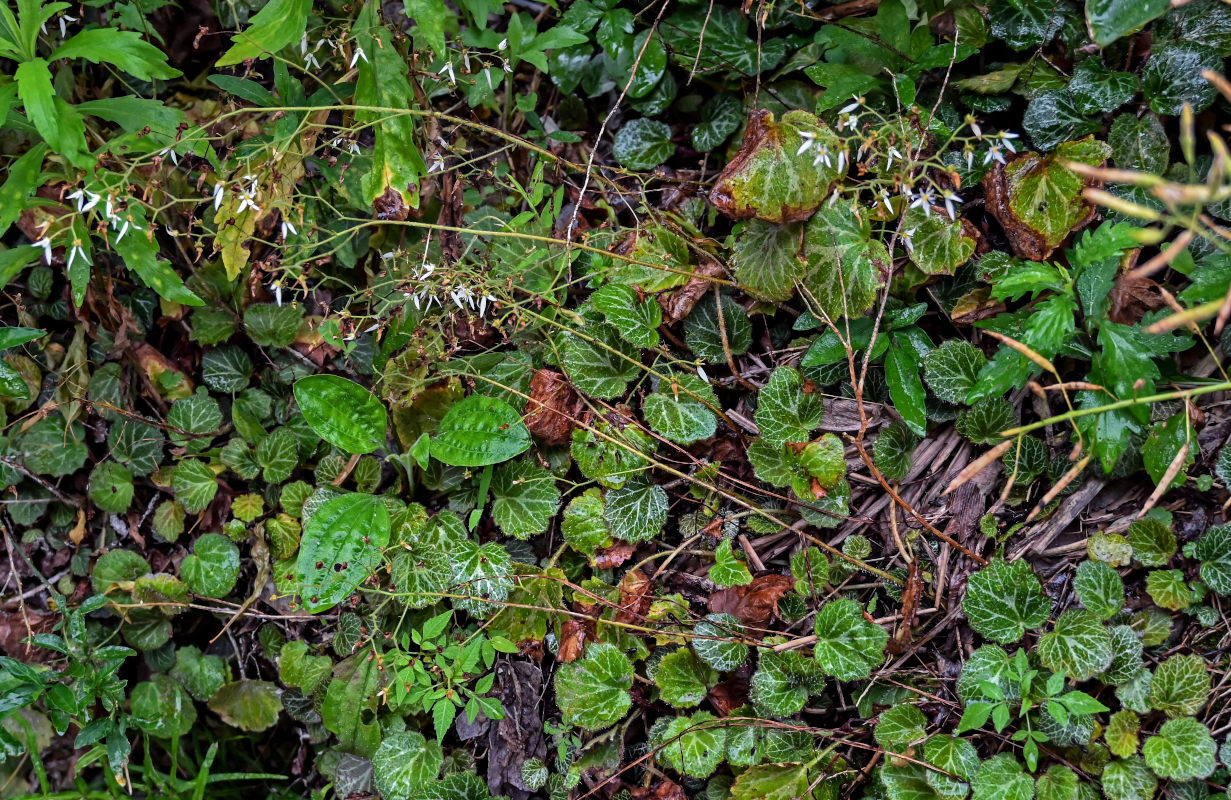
<point x="910" y="605"/>
<point x="553" y="408"/>
<point x="974" y="306"/>
<point x="679" y="304"/>
<point x="753" y="603"/>
<point x="1131" y="297"/>
<point x="663" y="790"/>
<point x="614" y="556"/>
<point x="729" y="695"/>
<point x="390" y="205"/>
<point x="574" y="634"/>
<point x="636" y="594"/>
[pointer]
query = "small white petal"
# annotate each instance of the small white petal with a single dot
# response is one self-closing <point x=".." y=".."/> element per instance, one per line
<point x="45" y="243"/>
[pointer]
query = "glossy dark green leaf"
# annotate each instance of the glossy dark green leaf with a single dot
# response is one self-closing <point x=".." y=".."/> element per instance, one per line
<point x="342" y="412"/>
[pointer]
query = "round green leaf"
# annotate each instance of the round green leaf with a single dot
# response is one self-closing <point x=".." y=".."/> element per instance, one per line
<point x="1079" y="645"/>
<point x="592" y="692"/>
<point x="214" y="566"/>
<point x="111" y="487"/>
<point x="1099" y="588"/>
<point x="249" y="705"/>
<point x="1180" y="686"/>
<point x="1172" y="77"/>
<point x="404" y="762"/>
<point x="162" y="708"/>
<point x="682" y="679"/>
<point x="848" y="646"/>
<point x="643" y="144"/>
<point x="1004" y="600"/>
<point x="1181" y="750"/>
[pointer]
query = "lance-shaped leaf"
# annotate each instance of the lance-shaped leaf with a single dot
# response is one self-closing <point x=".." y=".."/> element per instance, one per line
<point x="269" y="30"/>
<point x="341" y="545"/>
<point x="1004" y="600"/>
<point x="479" y="431"/>
<point x="342" y="412"/>
<point x="383" y="82"/>
<point x="773" y="177"/>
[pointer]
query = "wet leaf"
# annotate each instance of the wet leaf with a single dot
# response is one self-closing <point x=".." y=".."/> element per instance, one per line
<point x="770" y="178"/>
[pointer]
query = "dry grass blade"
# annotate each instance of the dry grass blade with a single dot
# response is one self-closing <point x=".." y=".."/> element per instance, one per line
<point x="1026" y="351"/>
<point x="978" y="465"/>
<point x="1055" y="491"/>
<point x="1163" y="258"/>
<point x="1109" y="200"/>
<point x="1220" y="83"/>
<point x="1187" y="317"/>
<point x="1164" y="483"/>
<point x="1113" y="175"/>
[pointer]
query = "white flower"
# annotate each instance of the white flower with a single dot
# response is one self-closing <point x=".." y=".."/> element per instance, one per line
<point x="75" y="252"/>
<point x="893" y="153"/>
<point x="247" y="201"/>
<point x="504" y="44"/>
<point x="822" y="157"/>
<point x="993" y="154"/>
<point x="387" y="256"/>
<point x="884" y="198"/>
<point x="63" y="27"/>
<point x="128" y="223"/>
<point x="842" y="160"/>
<point x="908" y="237"/>
<point x="310" y="61"/>
<point x="219" y="193"/>
<point x="504" y="63"/>
<point x="85" y="199"/>
<point x="358" y="55"/>
<point x="1006" y="139"/>
<point x="701" y="374"/>
<point x="109" y="210"/>
<point x="857" y="102"/>
<point x="169" y="152"/>
<point x="970" y="157"/>
<point x="288" y="228"/>
<point x="808" y="139"/>
<point x="951" y="199"/>
<point x="978" y="132"/>
<point x="851" y="122"/>
<point x="923" y="200"/>
<point x="277" y="287"/>
<point x="448" y="73"/>
<point x="45" y="243"/>
<point x="437" y="164"/>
